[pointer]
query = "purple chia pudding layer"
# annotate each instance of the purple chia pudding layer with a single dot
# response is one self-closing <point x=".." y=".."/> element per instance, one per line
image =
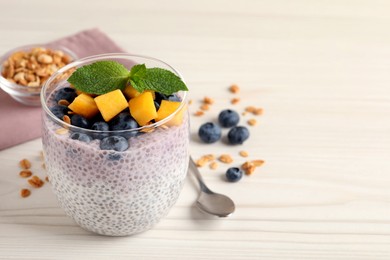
<point x="117" y="193"/>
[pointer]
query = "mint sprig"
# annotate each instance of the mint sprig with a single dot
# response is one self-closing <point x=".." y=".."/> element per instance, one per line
<point x="100" y="77"/>
<point x="105" y="76"/>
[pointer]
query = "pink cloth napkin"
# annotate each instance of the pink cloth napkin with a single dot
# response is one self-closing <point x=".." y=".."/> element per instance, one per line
<point x="19" y="123"/>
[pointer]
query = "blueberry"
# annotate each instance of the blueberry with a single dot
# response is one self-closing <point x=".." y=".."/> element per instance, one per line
<point x="156" y="105"/>
<point x="124" y="121"/>
<point x="68" y="94"/>
<point x="81" y="137"/>
<point x="80" y="121"/>
<point x="233" y="174"/>
<point x="238" y="134"/>
<point x="160" y="96"/>
<point x="209" y="133"/>
<point x="114" y="142"/>
<point x="174" y="97"/>
<point x="228" y="118"/>
<point x="59" y="111"/>
<point x="100" y="126"/>
<point x="97" y="118"/>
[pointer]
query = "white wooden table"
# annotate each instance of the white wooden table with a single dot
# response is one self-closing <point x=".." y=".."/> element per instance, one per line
<point x="320" y="70"/>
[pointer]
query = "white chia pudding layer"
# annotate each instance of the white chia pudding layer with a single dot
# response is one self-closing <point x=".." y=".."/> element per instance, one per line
<point x="117" y="193"/>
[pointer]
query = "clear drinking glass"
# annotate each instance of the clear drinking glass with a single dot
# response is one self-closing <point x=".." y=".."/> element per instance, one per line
<point x="109" y="192"/>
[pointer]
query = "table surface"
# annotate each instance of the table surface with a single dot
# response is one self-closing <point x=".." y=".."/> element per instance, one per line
<point x="319" y="69"/>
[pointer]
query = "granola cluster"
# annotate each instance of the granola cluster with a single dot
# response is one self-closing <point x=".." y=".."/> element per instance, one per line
<point x="32" y="68"/>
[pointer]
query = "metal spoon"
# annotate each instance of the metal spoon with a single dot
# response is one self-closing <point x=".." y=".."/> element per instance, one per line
<point x="208" y="201"/>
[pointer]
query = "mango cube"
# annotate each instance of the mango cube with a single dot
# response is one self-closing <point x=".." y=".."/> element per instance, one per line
<point x="131" y="92"/>
<point x="166" y="109"/>
<point x="142" y="108"/>
<point x="111" y="104"/>
<point x="84" y="105"/>
<point x="153" y="93"/>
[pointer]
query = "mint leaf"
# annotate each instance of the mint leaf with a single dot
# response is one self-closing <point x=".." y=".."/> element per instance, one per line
<point x="157" y="79"/>
<point x="100" y="77"/>
<point x="137" y="72"/>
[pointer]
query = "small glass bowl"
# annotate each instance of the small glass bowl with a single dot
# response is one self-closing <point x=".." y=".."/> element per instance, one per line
<point x="29" y="96"/>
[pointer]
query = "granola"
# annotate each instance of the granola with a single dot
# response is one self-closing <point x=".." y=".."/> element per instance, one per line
<point x="25" y="164"/>
<point x="32" y="68"/>
<point x="225" y="158"/>
<point x="24" y="193"/>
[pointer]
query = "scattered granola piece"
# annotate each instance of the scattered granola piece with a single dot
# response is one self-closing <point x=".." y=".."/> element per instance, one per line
<point x="234" y="88"/>
<point x="213" y="165"/>
<point x="252" y="122"/>
<point x="47" y="178"/>
<point x="24" y="193"/>
<point x="36" y="182"/>
<point x="43" y="166"/>
<point x="258" y="162"/>
<point x="250" y="109"/>
<point x="190" y="102"/>
<point x="244" y="113"/>
<point x="244" y="153"/>
<point x="25" y="173"/>
<point x="248" y="167"/>
<point x="208" y="101"/>
<point x="164" y="126"/>
<point x="204" y="159"/>
<point x="234" y="101"/>
<point x="205" y="107"/>
<point x="225" y="158"/>
<point x="209" y="157"/>
<point x="199" y="113"/>
<point x="25" y="164"/>
<point x="258" y="111"/>
<point x="254" y="110"/>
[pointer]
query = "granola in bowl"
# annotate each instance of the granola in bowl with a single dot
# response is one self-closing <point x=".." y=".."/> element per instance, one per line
<point x="24" y="70"/>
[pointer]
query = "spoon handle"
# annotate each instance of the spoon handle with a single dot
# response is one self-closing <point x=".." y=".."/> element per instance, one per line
<point x="195" y="171"/>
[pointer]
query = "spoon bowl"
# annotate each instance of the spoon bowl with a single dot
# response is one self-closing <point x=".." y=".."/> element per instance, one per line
<point x="209" y="201"/>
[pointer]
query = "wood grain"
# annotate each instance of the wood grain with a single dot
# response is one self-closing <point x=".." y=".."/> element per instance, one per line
<point x="320" y="69"/>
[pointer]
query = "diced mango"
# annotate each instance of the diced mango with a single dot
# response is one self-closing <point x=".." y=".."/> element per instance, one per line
<point x="166" y="109"/>
<point x="142" y="108"/>
<point x="131" y="92"/>
<point x="153" y="93"/>
<point x="111" y="104"/>
<point x="84" y="105"/>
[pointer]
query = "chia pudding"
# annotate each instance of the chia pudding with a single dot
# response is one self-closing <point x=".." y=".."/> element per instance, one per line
<point x="110" y="192"/>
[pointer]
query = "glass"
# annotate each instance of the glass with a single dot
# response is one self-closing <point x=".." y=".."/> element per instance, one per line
<point x="109" y="192"/>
